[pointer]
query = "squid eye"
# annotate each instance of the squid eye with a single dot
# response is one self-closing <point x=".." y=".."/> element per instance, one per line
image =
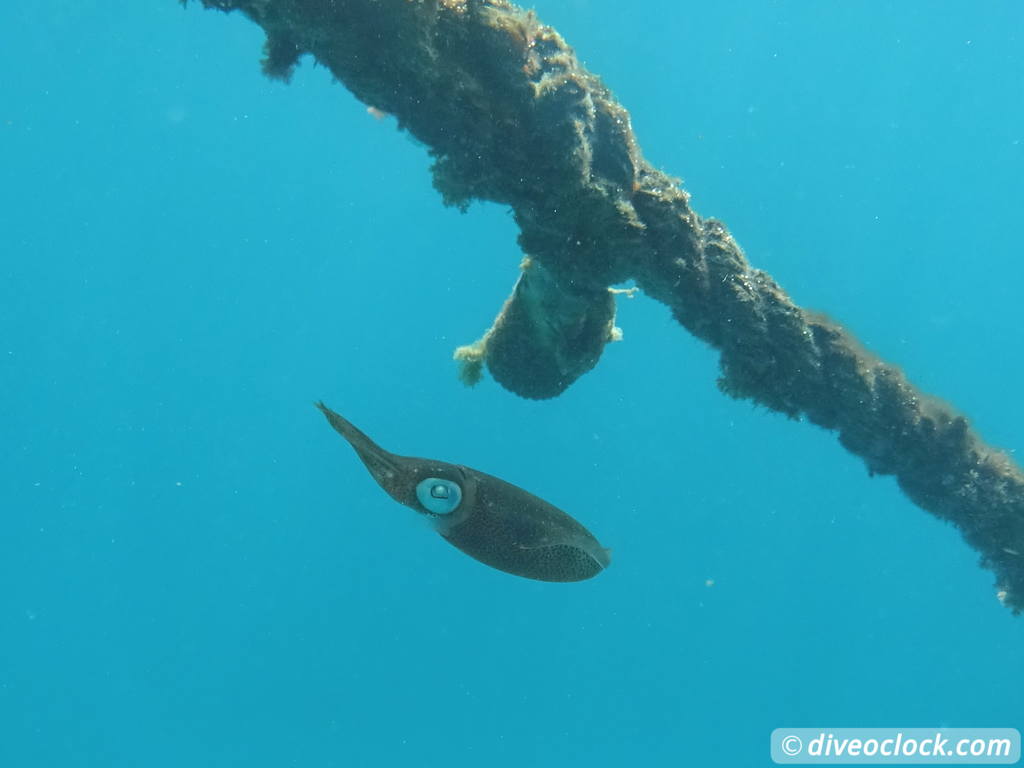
<point x="442" y="497"/>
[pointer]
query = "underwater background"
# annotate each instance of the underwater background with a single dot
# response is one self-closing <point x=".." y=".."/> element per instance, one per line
<point x="196" y="570"/>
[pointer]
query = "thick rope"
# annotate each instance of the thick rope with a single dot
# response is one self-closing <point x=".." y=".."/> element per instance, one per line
<point x="510" y="116"/>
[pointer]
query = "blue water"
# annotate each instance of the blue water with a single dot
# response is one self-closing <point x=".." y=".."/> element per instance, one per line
<point x="196" y="571"/>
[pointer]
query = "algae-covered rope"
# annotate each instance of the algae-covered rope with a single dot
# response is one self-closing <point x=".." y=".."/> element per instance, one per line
<point x="510" y="116"/>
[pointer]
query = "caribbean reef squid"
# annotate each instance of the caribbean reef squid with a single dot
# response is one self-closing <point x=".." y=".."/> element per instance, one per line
<point x="495" y="522"/>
